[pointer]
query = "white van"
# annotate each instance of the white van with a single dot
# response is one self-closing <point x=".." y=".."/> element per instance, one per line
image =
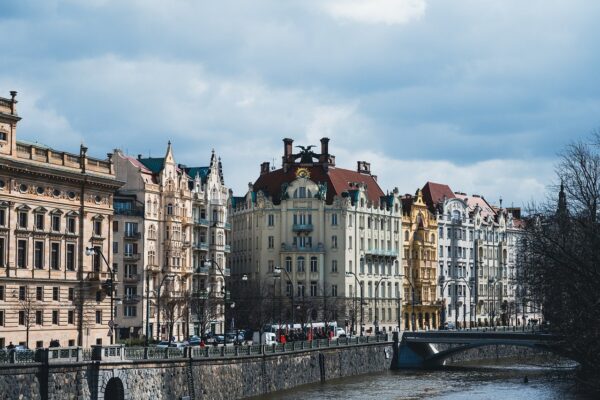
<point x="268" y="338"/>
<point x="340" y="332"/>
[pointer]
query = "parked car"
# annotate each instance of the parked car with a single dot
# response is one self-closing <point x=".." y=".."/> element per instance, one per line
<point x="165" y="343"/>
<point x="340" y="332"/>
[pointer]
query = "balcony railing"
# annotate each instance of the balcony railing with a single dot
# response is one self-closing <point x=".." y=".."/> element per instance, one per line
<point x="131" y="278"/>
<point x="200" y="246"/>
<point x="133" y="235"/>
<point x="201" y="270"/>
<point x="227" y="248"/>
<point x="131" y="298"/>
<point x="382" y="252"/>
<point x="302" y="227"/>
<point x="228" y="226"/>
<point x="304" y="249"/>
<point x="131" y="256"/>
<point x="203" y="222"/>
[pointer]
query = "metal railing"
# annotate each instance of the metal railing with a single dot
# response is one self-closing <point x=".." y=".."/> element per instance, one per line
<point x="122" y="353"/>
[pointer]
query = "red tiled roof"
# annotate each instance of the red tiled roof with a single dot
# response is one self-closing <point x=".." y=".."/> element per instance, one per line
<point x="337" y="180"/>
<point x="433" y="193"/>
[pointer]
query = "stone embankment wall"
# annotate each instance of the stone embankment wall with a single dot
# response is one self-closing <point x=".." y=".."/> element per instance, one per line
<point x="227" y="378"/>
<point x="493" y="352"/>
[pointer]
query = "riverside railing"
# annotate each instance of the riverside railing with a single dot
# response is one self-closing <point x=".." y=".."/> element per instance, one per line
<point x="122" y="353"/>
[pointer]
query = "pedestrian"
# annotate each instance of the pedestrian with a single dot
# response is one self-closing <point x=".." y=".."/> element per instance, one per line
<point x="202" y="343"/>
<point x="11" y="346"/>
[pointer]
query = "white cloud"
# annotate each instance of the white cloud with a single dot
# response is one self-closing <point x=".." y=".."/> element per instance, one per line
<point x="377" y="11"/>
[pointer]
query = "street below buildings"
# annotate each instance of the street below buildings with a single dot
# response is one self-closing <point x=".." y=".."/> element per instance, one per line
<point x="477" y="380"/>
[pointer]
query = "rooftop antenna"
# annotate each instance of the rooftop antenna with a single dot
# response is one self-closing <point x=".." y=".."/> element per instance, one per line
<point x="273" y="165"/>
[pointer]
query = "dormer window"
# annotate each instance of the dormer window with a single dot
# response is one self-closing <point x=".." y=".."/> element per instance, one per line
<point x="301" y="193"/>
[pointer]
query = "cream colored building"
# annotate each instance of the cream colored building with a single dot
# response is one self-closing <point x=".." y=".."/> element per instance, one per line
<point x="53" y="205"/>
<point x="320" y="224"/>
<point x="169" y="219"/>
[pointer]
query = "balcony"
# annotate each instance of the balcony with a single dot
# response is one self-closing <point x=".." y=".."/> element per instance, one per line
<point x="131" y="256"/>
<point x="227" y="248"/>
<point x="201" y="270"/>
<point x="227" y="271"/>
<point x="202" y="221"/>
<point x="382" y="252"/>
<point x="228" y="226"/>
<point x="302" y="227"/>
<point x="201" y="246"/>
<point x="186" y="243"/>
<point x="131" y="298"/>
<point x="131" y="278"/>
<point x="96" y="276"/>
<point x="133" y="235"/>
<point x="306" y="249"/>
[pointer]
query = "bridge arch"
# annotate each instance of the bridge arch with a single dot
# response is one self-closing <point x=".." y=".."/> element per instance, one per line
<point x="114" y="390"/>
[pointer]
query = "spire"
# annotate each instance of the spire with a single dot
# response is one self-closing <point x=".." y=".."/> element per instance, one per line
<point x="169" y="156"/>
<point x="562" y="201"/>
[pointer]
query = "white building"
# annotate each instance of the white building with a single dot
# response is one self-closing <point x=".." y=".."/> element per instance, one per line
<point x="327" y="228"/>
<point x="169" y="220"/>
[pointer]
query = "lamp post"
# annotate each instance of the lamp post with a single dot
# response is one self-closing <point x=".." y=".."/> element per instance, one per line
<point x="110" y="285"/>
<point x="362" y="300"/>
<point x="277" y="271"/>
<point x="376" y="323"/>
<point x="456" y="306"/>
<point x="413" y="318"/>
<point x="224" y="274"/>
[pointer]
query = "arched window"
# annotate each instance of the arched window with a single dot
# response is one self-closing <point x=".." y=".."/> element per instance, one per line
<point x="456" y="216"/>
<point x="301" y="193"/>
<point x="169" y="209"/>
<point x="406" y="236"/>
<point x="152" y="232"/>
<point x="432" y="238"/>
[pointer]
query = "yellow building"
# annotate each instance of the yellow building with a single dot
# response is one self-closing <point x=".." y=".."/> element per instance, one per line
<point x="419" y="226"/>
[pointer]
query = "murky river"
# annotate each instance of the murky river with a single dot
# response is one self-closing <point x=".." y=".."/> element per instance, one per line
<point x="482" y="381"/>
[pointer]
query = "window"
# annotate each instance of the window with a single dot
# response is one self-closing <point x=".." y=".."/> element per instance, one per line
<point x="2" y="217"/>
<point x="39" y="293"/>
<point x="98" y="227"/>
<point x="71" y="296"/>
<point x="70" y="317"/>
<point x="39" y="222"/>
<point x="271" y="242"/>
<point x="39" y="317"/>
<point x="21" y="317"/>
<point x="169" y="209"/>
<point x="54" y="317"/>
<point x="350" y="243"/>
<point x="300" y="290"/>
<point x="56" y="223"/>
<point x="38" y="255"/>
<point x="115" y="247"/>
<point x="334" y="219"/>
<point x="55" y="255"/>
<point x="22" y="253"/>
<point x="313" y="289"/>
<point x="2" y="252"/>
<point x="288" y="264"/>
<point x="1" y="317"/>
<point x="131" y="229"/>
<point x="270" y="220"/>
<point x="55" y="293"/>
<point x="22" y="293"/>
<point x="70" y="257"/>
<point x="130" y="311"/>
<point x="23" y="219"/>
<point x="288" y="288"/>
<point x="334" y="242"/>
<point x="300" y="264"/>
<point x="271" y="265"/>
<point x="71" y="225"/>
<point x="334" y="266"/>
<point x="96" y="259"/>
<point x="314" y="264"/>
<point x="98" y="316"/>
<point x="2" y="293"/>
<point x="115" y="226"/>
<point x="334" y="291"/>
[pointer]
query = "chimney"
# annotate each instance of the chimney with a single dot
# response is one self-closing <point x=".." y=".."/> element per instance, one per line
<point x="287" y="153"/>
<point x="324" y="157"/>
<point x="264" y="168"/>
<point x="139" y="156"/>
<point x="13" y="94"/>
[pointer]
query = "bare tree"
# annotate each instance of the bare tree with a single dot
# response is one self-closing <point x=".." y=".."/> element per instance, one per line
<point x="174" y="307"/>
<point x="560" y="258"/>
<point x="204" y="306"/>
<point x="28" y="306"/>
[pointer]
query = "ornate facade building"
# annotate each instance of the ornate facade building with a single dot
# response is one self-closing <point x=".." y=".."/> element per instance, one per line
<point x="170" y="236"/>
<point x="422" y="308"/>
<point x="53" y="205"/>
<point x="315" y="236"/>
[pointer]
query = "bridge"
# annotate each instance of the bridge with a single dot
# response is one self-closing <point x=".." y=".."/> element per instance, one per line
<point x="432" y="348"/>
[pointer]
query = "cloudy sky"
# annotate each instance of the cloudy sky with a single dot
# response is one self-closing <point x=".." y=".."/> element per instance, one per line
<point x="474" y="93"/>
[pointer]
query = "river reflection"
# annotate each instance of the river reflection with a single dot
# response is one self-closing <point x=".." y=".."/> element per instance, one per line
<point x="482" y="381"/>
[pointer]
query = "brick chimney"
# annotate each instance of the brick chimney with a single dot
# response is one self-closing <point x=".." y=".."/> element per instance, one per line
<point x="287" y="153"/>
<point x="363" y="167"/>
<point x="264" y="168"/>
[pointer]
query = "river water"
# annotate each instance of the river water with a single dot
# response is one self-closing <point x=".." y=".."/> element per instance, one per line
<point x="487" y="380"/>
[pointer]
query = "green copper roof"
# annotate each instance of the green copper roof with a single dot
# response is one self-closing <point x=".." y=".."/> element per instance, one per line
<point x="153" y="164"/>
<point x="202" y="171"/>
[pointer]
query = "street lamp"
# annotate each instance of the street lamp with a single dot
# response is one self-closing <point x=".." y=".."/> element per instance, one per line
<point x="107" y="285"/>
<point x="362" y="300"/>
<point x="277" y="271"/>
<point x="376" y="323"/>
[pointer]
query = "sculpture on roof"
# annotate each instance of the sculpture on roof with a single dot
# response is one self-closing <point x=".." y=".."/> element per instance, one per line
<point x="306" y="155"/>
<point x="284" y="193"/>
<point x="322" y="192"/>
